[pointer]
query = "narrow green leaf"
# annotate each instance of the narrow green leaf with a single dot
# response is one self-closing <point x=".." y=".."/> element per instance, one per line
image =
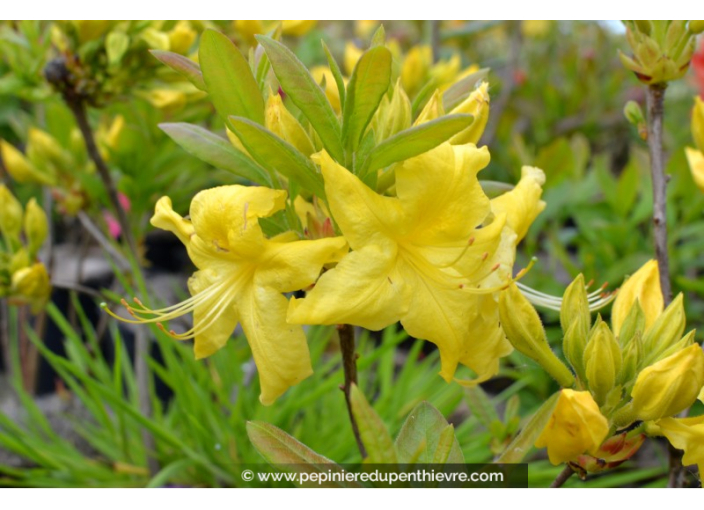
<point x="215" y="151"/>
<point x="370" y="81"/>
<point x="277" y="155"/>
<point x="337" y="74"/>
<point x="375" y="436"/>
<point x="481" y="406"/>
<point x="424" y="431"/>
<point x="521" y="445"/>
<point x="446" y="442"/>
<point x="461" y="90"/>
<point x="167" y="473"/>
<point x="229" y="79"/>
<point x="414" y="141"/>
<point x="306" y="94"/>
<point x="289" y="454"/>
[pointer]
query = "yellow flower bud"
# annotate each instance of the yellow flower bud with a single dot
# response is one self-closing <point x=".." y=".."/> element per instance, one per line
<point x="696" y="166"/>
<point x="632" y="356"/>
<point x="575" y="427"/>
<point x="644" y="287"/>
<point x="602" y="357"/>
<point x="20" y="168"/>
<point x="10" y="214"/>
<point x="445" y="72"/>
<point x="280" y="122"/>
<point x="181" y="37"/>
<point x="31" y="286"/>
<point x="696" y="26"/>
<point x="666" y="331"/>
<point x="323" y="74"/>
<point x="524" y="330"/>
<point x="297" y="27"/>
<point x="415" y="68"/>
<point x="698" y="123"/>
<point x="477" y="104"/>
<point x="36" y="226"/>
<point x="432" y="110"/>
<point x="352" y="56"/>
<point x="20" y="259"/>
<point x="669" y="386"/>
<point x="248" y="28"/>
<point x="393" y="116"/>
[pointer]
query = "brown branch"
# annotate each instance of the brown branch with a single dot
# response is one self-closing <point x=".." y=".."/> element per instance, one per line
<point x="349" y="366"/>
<point x="655" y="99"/>
<point x="562" y="478"/>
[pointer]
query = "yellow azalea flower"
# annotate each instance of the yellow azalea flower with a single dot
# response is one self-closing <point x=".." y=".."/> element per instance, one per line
<point x="297" y="27"/>
<point x="669" y="386"/>
<point x="182" y="37"/>
<point x="415" y="68"/>
<point x="248" y="28"/>
<point x="695" y="159"/>
<point x="575" y="427"/>
<point x="644" y="287"/>
<point x="418" y="258"/>
<point x="686" y="434"/>
<point x="241" y="277"/>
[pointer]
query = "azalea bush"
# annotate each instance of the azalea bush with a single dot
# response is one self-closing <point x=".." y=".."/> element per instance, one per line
<point x="413" y="224"/>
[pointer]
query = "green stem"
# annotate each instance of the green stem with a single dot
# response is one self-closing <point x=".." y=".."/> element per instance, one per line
<point x="349" y="366"/>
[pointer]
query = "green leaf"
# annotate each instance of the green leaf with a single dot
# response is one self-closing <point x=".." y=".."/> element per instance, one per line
<point x="375" y="436"/>
<point x="277" y="155"/>
<point x="183" y="66"/>
<point x="229" y="79"/>
<point x="414" y="141"/>
<point x="424" y="438"/>
<point x="370" y="81"/>
<point x="215" y="151"/>
<point x="116" y="44"/>
<point x="481" y="406"/>
<point x="337" y="74"/>
<point x="379" y="37"/>
<point x="287" y="453"/>
<point x="521" y="445"/>
<point x="461" y="90"/>
<point x="306" y="94"/>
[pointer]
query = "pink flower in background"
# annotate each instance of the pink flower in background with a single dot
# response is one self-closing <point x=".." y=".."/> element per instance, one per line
<point x="698" y="67"/>
<point x="114" y="228"/>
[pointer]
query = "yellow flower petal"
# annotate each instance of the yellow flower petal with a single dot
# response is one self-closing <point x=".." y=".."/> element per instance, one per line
<point x="476" y="104"/>
<point x="522" y="204"/>
<point x="280" y="349"/>
<point x="696" y="166"/>
<point x="698" y="123"/>
<point x="297" y="27"/>
<point x="686" y="434"/>
<point x="643" y="286"/>
<point x="432" y="110"/>
<point x="167" y="219"/>
<point x="20" y="168"/>
<point x="363" y="289"/>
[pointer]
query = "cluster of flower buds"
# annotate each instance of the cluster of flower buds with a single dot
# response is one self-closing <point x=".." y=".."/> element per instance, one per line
<point x="23" y="280"/>
<point x="661" y="49"/>
<point x="61" y="166"/>
<point x="626" y="381"/>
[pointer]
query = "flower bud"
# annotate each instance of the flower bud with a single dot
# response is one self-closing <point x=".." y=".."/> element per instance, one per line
<point x="323" y="74"/>
<point x="666" y="331"/>
<point x="669" y="386"/>
<point x="602" y="357"/>
<point x="393" y="116"/>
<point x="10" y="214"/>
<point x="20" y="168"/>
<point x="280" y="122"/>
<point x="632" y="326"/>
<point x="632" y="357"/>
<point x="182" y="37"/>
<point x="575" y="427"/>
<point x="615" y="451"/>
<point x="248" y="29"/>
<point x="476" y="104"/>
<point x="698" y="123"/>
<point x="696" y="26"/>
<point x="31" y="286"/>
<point x="524" y="330"/>
<point x="644" y="287"/>
<point x="36" y="226"/>
<point x="415" y="68"/>
<point x="351" y="57"/>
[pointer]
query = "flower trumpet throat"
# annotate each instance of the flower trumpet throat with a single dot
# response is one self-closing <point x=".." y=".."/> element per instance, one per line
<point x="241" y="278"/>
